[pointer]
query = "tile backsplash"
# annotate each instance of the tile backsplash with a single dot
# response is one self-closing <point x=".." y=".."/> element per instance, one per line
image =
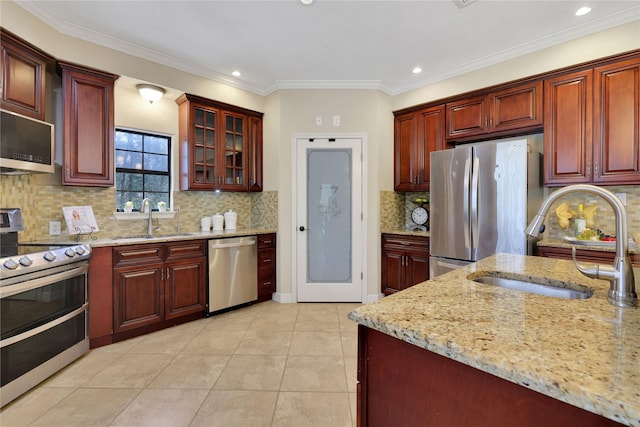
<point x="43" y="203"/>
<point x="395" y="210"/>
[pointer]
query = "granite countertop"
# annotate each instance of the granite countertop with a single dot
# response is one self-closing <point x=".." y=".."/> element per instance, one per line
<point x="583" y="352"/>
<point x="158" y="238"/>
<point x="599" y="246"/>
<point x="405" y="232"/>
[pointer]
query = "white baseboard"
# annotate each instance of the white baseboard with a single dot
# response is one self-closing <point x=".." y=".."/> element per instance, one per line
<point x="283" y="298"/>
<point x="373" y="298"/>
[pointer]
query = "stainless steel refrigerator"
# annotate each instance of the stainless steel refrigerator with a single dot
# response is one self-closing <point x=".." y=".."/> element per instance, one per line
<point x="482" y="196"/>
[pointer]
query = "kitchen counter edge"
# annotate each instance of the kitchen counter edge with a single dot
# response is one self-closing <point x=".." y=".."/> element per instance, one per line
<point x="197" y="235"/>
<point x="582" y="352"/>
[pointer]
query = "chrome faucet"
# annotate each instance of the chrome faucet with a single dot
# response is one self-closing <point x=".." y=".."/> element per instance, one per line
<point x="622" y="291"/>
<point x="145" y="202"/>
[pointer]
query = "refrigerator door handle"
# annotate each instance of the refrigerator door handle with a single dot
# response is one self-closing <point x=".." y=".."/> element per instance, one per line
<point x="465" y="195"/>
<point x="474" y="202"/>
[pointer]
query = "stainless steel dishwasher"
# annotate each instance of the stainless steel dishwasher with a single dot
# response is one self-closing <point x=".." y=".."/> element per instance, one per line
<point x="233" y="272"/>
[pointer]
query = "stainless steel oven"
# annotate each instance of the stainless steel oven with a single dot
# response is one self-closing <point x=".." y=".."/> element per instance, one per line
<point x="43" y="314"/>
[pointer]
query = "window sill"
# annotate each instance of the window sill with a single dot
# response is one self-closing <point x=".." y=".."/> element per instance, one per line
<point x="141" y="215"/>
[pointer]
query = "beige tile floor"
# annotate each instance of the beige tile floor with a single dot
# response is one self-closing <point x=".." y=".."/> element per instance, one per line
<point x="265" y="365"/>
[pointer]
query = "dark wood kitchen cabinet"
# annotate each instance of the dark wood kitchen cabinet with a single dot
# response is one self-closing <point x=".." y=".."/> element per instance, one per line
<point x="88" y="126"/>
<point x="405" y="262"/>
<point x="616" y="123"/>
<point x="266" y="266"/>
<point x="592" y="126"/>
<point x="401" y="384"/>
<point x="185" y="278"/>
<point x="23" y="77"/>
<point x="154" y="285"/>
<point x="220" y="146"/>
<point x="416" y="135"/>
<point x="514" y="108"/>
<point x="584" y="255"/>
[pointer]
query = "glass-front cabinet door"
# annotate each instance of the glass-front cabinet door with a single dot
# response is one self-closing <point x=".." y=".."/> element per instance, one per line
<point x="204" y="146"/>
<point x="219" y="150"/>
<point x="234" y="149"/>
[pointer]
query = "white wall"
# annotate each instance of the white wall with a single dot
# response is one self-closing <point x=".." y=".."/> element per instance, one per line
<point x="361" y="111"/>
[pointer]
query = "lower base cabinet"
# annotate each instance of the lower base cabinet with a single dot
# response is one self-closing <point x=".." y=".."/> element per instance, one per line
<point x="156" y="284"/>
<point x="266" y="266"/>
<point x="585" y="255"/>
<point x="400" y="384"/>
<point x="405" y="262"/>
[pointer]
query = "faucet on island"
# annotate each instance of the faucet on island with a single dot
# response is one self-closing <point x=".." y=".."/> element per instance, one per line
<point x="622" y="291"/>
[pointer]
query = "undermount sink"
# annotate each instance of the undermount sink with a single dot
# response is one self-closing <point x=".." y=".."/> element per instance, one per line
<point x="540" y="286"/>
<point x="153" y="236"/>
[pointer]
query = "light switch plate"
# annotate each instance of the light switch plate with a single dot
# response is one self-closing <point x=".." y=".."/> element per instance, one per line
<point x="54" y="228"/>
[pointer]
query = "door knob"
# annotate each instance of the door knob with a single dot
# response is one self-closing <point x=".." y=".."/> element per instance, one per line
<point x="302" y="228"/>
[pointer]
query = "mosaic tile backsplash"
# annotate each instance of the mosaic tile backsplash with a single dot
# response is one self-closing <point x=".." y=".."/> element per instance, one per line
<point x="43" y="203"/>
<point x="395" y="211"/>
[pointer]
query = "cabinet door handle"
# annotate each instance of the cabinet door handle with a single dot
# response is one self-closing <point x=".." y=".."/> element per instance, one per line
<point x="167" y="274"/>
<point x="595" y="169"/>
<point x="588" y="169"/>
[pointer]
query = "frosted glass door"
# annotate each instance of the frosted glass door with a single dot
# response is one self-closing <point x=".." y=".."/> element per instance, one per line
<point x="329" y="216"/>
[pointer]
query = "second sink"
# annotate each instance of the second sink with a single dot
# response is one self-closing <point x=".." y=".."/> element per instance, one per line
<point x="529" y="284"/>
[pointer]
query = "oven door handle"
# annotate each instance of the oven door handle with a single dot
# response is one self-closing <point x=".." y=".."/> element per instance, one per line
<point x="31" y="332"/>
<point x="7" y="291"/>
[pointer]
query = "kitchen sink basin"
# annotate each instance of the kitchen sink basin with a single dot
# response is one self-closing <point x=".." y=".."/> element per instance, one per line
<point x="153" y="236"/>
<point x="540" y="286"/>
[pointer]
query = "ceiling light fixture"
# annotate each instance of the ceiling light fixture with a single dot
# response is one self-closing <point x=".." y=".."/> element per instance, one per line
<point x="306" y="2"/>
<point x="150" y="92"/>
<point x="236" y="73"/>
<point x="416" y="70"/>
<point x="583" y="11"/>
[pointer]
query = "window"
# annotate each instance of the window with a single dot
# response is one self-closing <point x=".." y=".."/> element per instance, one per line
<point x="142" y="168"/>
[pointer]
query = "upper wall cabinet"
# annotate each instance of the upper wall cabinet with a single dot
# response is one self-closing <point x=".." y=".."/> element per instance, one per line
<point x="23" y="76"/>
<point x="592" y="126"/>
<point x="220" y="146"/>
<point x="416" y="135"/>
<point x="515" y="108"/>
<point x="88" y="133"/>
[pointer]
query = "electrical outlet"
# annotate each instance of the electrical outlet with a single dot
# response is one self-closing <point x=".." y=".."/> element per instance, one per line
<point x="54" y="228"/>
<point x="318" y="120"/>
<point x="336" y="120"/>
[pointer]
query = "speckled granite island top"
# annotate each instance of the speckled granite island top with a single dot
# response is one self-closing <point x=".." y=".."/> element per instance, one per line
<point x="583" y="352"/>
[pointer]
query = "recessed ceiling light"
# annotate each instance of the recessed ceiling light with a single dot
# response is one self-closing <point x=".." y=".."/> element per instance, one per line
<point x="416" y="70"/>
<point x="236" y="73"/>
<point x="583" y="10"/>
<point x="307" y="2"/>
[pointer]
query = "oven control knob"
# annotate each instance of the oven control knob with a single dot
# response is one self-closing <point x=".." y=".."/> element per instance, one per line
<point x="10" y="264"/>
<point x="70" y="252"/>
<point x="49" y="256"/>
<point x="25" y="261"/>
<point x="80" y="250"/>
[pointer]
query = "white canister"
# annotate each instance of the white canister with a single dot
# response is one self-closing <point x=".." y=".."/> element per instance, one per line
<point x="230" y="220"/>
<point x="205" y="224"/>
<point x="217" y="221"/>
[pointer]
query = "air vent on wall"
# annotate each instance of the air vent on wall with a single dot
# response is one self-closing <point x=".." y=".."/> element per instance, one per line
<point x="463" y="3"/>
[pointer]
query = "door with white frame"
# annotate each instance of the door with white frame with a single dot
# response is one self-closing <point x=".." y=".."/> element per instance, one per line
<point x="329" y="219"/>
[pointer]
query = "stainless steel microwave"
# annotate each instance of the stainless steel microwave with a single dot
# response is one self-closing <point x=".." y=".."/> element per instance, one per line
<point x="26" y="144"/>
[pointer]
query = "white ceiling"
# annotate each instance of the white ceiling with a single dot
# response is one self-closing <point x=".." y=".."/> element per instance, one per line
<point x="330" y="43"/>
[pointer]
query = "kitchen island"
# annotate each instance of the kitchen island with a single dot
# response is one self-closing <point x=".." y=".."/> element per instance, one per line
<point x="485" y="353"/>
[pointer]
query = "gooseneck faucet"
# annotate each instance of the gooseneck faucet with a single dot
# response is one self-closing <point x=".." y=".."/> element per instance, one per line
<point x="622" y="291"/>
<point x="145" y="202"/>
